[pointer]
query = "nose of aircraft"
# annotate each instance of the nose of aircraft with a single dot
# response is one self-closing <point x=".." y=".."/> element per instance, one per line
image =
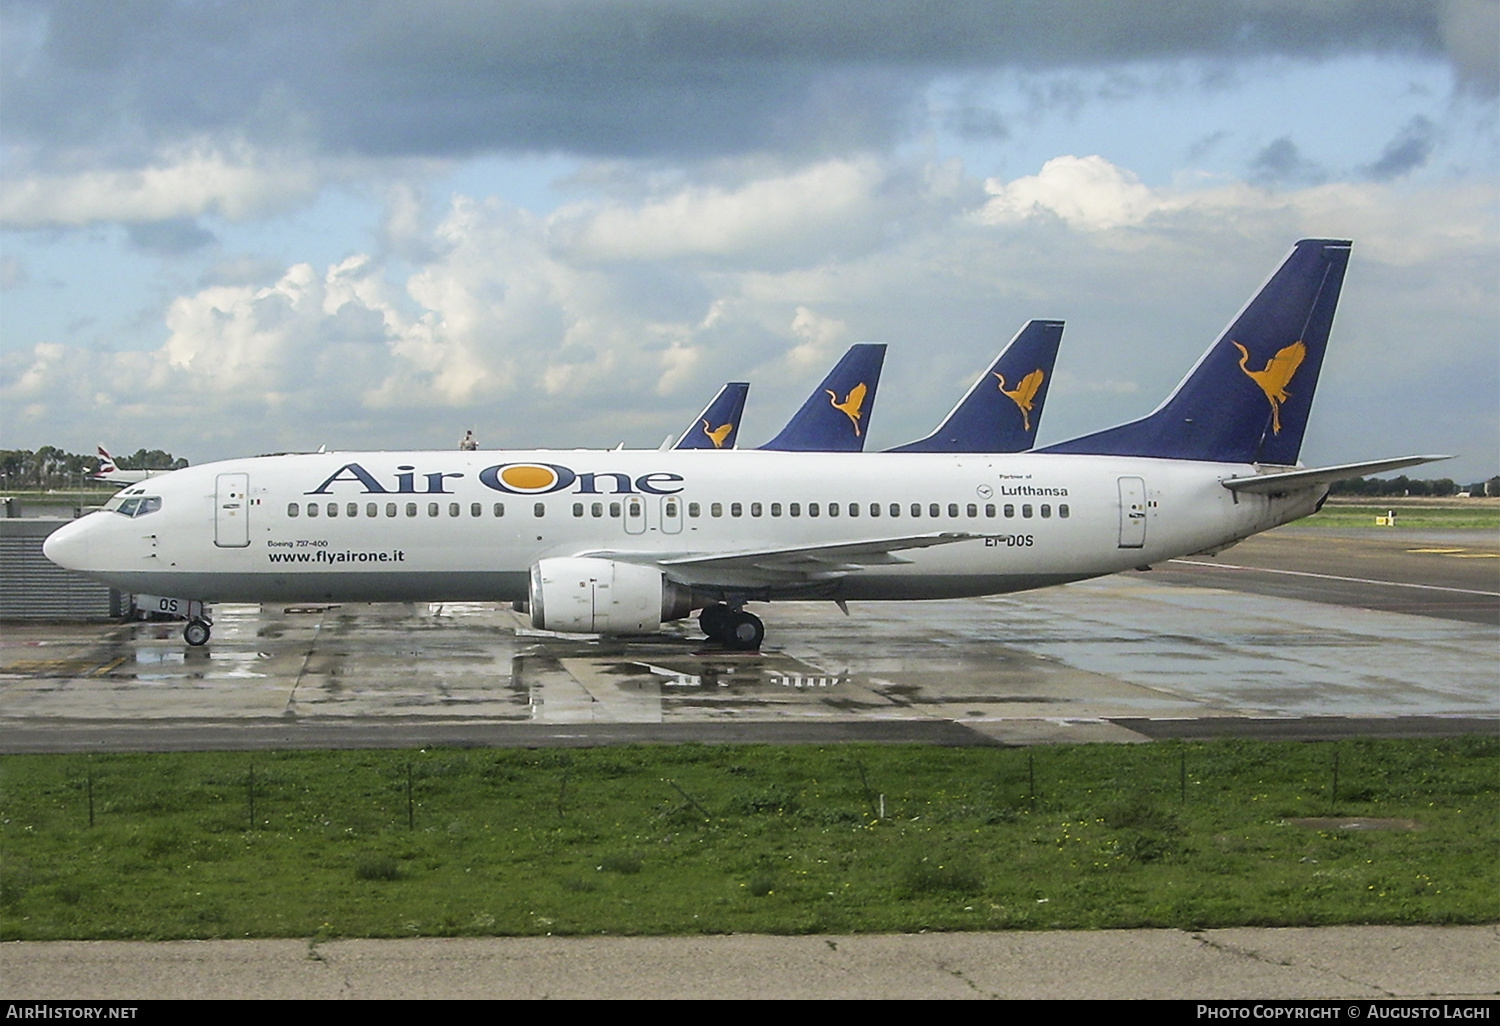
<point x="68" y="546"/>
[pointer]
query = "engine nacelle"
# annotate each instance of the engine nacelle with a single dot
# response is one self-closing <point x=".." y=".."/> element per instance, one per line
<point x="602" y="596"/>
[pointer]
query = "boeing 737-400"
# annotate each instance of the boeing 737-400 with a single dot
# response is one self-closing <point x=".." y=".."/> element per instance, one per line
<point x="619" y="542"/>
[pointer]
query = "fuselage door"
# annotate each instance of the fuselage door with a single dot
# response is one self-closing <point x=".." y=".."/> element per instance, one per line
<point x="1132" y="513"/>
<point x="635" y="514"/>
<point x="232" y="511"/>
<point x="671" y="514"/>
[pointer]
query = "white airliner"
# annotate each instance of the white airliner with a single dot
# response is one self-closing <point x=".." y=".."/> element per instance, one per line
<point x="619" y="542"/>
<point x="114" y="475"/>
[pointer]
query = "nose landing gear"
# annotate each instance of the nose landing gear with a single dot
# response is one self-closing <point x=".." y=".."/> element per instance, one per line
<point x="196" y="633"/>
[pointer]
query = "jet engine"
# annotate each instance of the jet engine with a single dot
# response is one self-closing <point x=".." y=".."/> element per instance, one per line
<point x="602" y="596"/>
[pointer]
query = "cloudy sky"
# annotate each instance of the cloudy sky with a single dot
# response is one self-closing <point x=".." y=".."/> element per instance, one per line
<point x="239" y="228"/>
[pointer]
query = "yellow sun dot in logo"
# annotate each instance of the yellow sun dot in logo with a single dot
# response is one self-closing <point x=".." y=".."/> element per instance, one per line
<point x="527" y="478"/>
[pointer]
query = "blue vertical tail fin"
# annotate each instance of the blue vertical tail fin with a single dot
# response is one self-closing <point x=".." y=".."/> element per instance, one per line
<point x="1248" y="397"/>
<point x="1002" y="409"/>
<point x="836" y="417"/>
<point x="718" y="425"/>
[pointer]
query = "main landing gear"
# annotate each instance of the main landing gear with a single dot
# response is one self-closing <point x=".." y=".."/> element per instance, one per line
<point x="733" y="628"/>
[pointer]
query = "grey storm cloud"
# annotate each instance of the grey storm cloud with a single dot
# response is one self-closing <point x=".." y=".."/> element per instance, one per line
<point x="608" y="77"/>
<point x="1407" y="152"/>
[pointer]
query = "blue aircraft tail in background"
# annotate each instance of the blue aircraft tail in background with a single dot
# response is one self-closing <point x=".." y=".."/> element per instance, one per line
<point x="836" y="417"/>
<point x="1248" y="397"/>
<point x="718" y="425"/>
<point x="1001" y="411"/>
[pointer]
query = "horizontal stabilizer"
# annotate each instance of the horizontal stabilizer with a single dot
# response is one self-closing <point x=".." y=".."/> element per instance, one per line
<point x="1261" y="484"/>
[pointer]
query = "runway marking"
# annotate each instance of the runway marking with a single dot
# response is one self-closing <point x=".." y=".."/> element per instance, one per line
<point x="1335" y="577"/>
<point x="1441" y="551"/>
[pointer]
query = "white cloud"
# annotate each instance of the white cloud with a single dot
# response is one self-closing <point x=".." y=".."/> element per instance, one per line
<point x="233" y="181"/>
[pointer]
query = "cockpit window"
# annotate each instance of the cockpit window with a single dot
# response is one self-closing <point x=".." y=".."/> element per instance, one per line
<point x="138" y="507"/>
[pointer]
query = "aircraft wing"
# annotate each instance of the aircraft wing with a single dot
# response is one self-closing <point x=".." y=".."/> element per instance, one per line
<point x="796" y="565"/>
<point x="1294" y="479"/>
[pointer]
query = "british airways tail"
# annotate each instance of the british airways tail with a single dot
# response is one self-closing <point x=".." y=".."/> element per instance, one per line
<point x="1247" y="399"/>
<point x="718" y="425"/>
<point x="1001" y="411"/>
<point x="836" y="417"/>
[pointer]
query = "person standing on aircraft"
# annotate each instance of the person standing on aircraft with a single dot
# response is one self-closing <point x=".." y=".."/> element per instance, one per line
<point x="468" y="443"/>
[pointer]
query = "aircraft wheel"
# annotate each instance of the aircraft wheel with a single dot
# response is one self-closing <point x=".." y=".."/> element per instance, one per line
<point x="714" y="621"/>
<point x="745" y="632"/>
<point x="196" y="633"/>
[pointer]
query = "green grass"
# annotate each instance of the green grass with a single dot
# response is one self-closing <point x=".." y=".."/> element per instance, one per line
<point x="1426" y="518"/>
<point x="709" y="839"/>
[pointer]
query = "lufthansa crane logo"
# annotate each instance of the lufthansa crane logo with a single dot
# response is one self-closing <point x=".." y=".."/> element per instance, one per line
<point x="1275" y="376"/>
<point x="717" y="434"/>
<point x="1025" y="394"/>
<point x="850" y="407"/>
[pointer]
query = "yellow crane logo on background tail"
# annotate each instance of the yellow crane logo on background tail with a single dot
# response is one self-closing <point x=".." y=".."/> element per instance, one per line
<point x="718" y="434"/>
<point x="1275" y="377"/>
<point x="1025" y="393"/>
<point x="850" y="407"/>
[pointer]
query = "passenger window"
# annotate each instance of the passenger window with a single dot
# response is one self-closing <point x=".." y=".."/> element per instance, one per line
<point x="476" y="509"/>
<point x="1062" y="511"/>
<point x="795" y="509"/>
<point x="874" y="509"/>
<point x="312" y="509"/>
<point x="291" y="509"/>
<point x="916" y="509"/>
<point x="372" y="509"/>
<point x="854" y="509"/>
<point x="1010" y="509"/>
<point x="934" y="510"/>
<point x="499" y="509"/>
<point x="671" y="509"/>
<point x="333" y="509"/>
<point x="352" y="509"/>
<point x="735" y="509"/>
<point x="716" y="509"/>
<point x="812" y="509"/>
<point x="1046" y="511"/>
<point x="989" y="510"/>
<point x="1026" y="510"/>
<point x="411" y="509"/>
<point x="755" y="509"/>
<point x="539" y="509"/>
<point x="972" y="510"/>
<point x="895" y="509"/>
<point x="694" y="509"/>
<point x="614" y="511"/>
<point x="597" y="510"/>
<point x="453" y="509"/>
<point x="953" y="509"/>
<point x="775" y="509"/>
<point x="432" y="509"/>
<point x="390" y="509"/>
<point x="833" y="509"/>
<point x="578" y="509"/>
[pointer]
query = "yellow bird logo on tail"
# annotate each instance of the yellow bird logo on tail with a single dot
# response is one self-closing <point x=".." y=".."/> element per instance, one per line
<point x="1025" y="393"/>
<point x="718" y="434"/>
<point x="1274" y="378"/>
<point x="850" y="407"/>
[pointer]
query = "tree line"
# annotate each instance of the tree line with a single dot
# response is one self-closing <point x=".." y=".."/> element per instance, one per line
<point x="1403" y="485"/>
<point x="51" y="467"/>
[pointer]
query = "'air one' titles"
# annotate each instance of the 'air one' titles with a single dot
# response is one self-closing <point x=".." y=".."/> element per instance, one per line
<point x="513" y="478"/>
